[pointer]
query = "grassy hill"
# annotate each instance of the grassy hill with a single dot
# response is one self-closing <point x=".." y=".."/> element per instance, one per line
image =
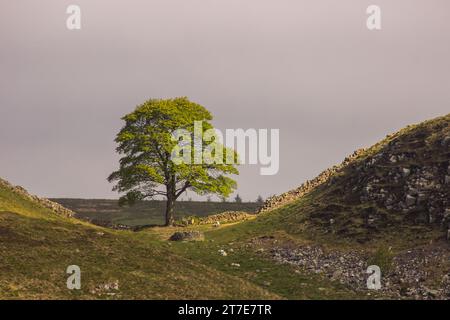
<point x="147" y="212"/>
<point x="387" y="206"/>
<point x="401" y="185"/>
<point x="37" y="244"/>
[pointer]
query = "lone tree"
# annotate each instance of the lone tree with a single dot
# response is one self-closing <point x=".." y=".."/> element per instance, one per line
<point x="147" y="142"/>
<point x="238" y="199"/>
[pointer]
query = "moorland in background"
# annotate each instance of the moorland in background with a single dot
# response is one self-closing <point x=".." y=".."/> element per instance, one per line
<point x="145" y="213"/>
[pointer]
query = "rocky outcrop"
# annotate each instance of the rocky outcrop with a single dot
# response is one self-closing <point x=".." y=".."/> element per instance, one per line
<point x="422" y="195"/>
<point x="53" y="206"/>
<point x="187" y="236"/>
<point x="405" y="179"/>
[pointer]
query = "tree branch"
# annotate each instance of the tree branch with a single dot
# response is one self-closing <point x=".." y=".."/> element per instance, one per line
<point x="182" y="189"/>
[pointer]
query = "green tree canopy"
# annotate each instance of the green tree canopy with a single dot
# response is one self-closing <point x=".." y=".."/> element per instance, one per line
<point x="146" y="143"/>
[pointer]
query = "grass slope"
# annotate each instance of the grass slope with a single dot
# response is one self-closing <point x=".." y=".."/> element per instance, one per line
<point x="36" y="246"/>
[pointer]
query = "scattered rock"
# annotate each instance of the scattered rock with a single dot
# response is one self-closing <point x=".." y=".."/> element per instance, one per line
<point x="106" y="288"/>
<point x="405" y="277"/>
<point x="410" y="200"/>
<point x="187" y="236"/>
<point x="406" y="172"/>
<point x="433" y="293"/>
<point x="225" y="217"/>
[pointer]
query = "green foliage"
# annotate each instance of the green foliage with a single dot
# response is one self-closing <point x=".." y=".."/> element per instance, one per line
<point x="146" y="144"/>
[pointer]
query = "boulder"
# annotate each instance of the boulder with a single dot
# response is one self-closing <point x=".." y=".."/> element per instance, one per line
<point x="410" y="200"/>
<point x="187" y="236"/>
<point x="421" y="198"/>
<point x="406" y="172"/>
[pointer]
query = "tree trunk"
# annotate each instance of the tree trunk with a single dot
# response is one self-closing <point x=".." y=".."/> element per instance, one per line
<point x="169" y="210"/>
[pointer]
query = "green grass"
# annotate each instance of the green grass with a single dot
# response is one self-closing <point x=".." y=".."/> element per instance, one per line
<point x="36" y="252"/>
<point x="280" y="279"/>
<point x="383" y="258"/>
<point x="37" y="246"/>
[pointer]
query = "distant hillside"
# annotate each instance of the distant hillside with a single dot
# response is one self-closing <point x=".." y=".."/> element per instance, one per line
<point x="146" y="212"/>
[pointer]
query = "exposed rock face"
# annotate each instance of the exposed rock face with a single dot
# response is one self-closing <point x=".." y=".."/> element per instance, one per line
<point x="187" y="236"/>
<point x="53" y="206"/>
<point x="403" y="179"/>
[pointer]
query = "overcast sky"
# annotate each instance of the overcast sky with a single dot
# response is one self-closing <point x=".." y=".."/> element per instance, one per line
<point x="309" y="68"/>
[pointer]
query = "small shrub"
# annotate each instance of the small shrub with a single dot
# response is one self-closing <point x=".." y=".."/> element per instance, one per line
<point x="383" y="258"/>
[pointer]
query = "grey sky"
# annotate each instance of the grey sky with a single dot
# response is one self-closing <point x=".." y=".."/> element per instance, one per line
<point x="310" y="68"/>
